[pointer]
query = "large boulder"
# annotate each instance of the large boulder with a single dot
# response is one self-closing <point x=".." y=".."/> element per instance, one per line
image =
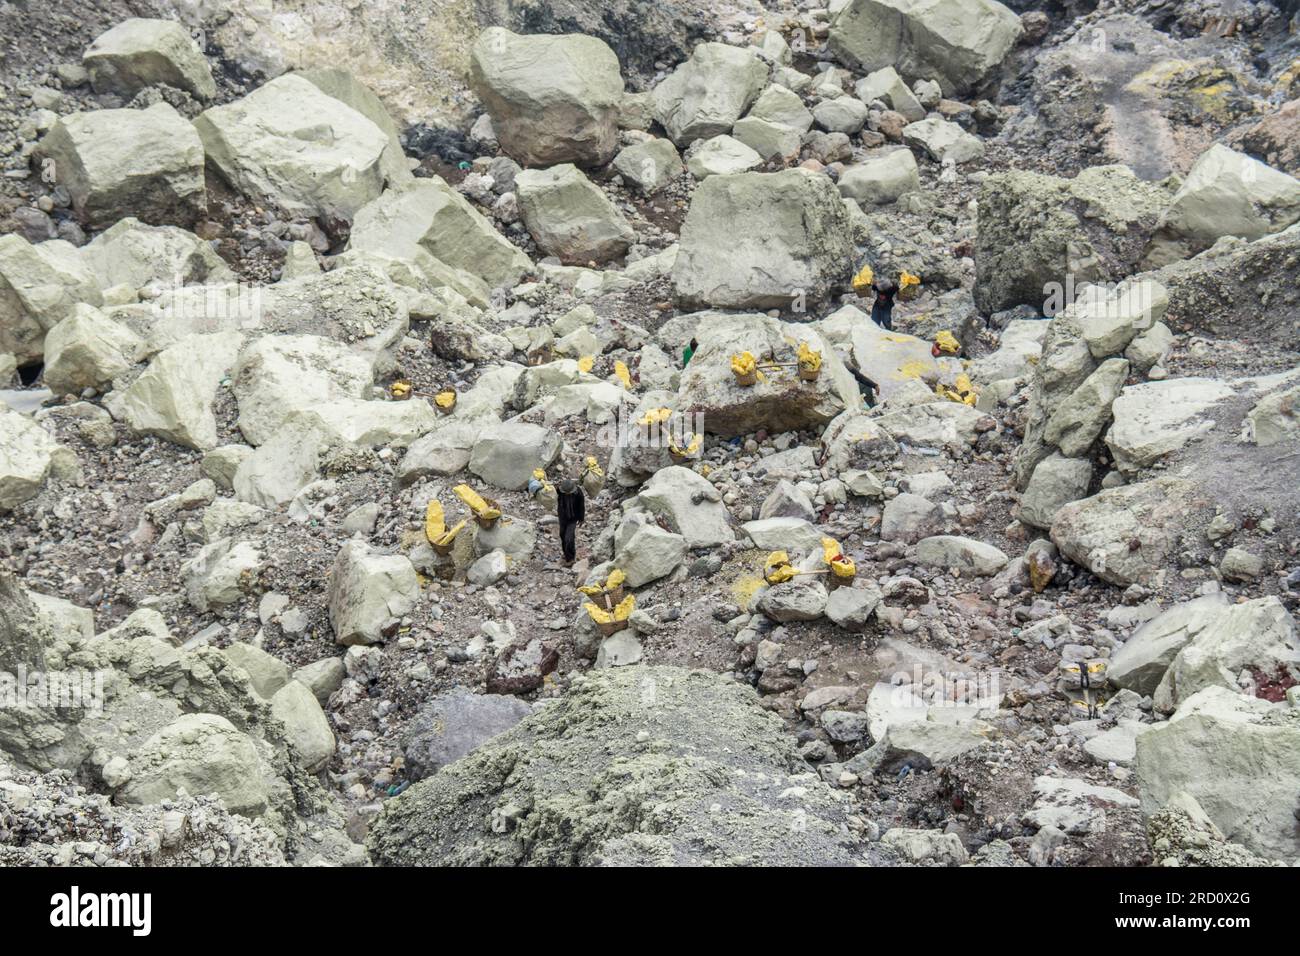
<point x="1226" y="193"/>
<point x="959" y="43"/>
<point x="721" y="156"/>
<point x="173" y="397"/>
<point x="690" y="506"/>
<point x="1019" y="348"/>
<point x="708" y="768"/>
<point x="707" y="94"/>
<point x="942" y="141"/>
<point x="552" y="99"/>
<point x="199" y="754"/>
<point x="646" y="552"/>
<point x="891" y="89"/>
<point x="28" y="455"/>
<point x="369" y="593"/>
<point x="134" y="254"/>
<point x="116" y="163"/>
<point x="429" y="215"/>
<point x="506" y="455"/>
<point x="1124" y="535"/>
<point x="278" y="375"/>
<point x="454" y="724"/>
<point x="1257" y="638"/>
<point x="344" y="86"/>
<point x="1079" y="420"/>
<point x="290" y="144"/>
<point x="1041" y="235"/>
<point x="1156" y="418"/>
<point x="306" y="727"/>
<point x="1056" y="482"/>
<point x="570" y="217"/>
<point x="1239" y="760"/>
<point x="763" y="240"/>
<point x="893" y="360"/>
<point x="39" y="286"/>
<point x="139" y="53"/>
<point x="780" y="400"/>
<point x="1142" y="661"/>
<point x="880" y="180"/>
<point x="88" y="350"/>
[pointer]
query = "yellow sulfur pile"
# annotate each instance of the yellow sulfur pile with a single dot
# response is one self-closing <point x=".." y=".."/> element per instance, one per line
<point x="810" y="360"/>
<point x="863" y="280"/>
<point x="841" y="564"/>
<point x="621" y="612"/>
<point x="476" y="503"/>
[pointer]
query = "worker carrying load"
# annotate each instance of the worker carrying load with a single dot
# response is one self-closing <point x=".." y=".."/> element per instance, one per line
<point x="571" y="508"/>
<point x="882" y="310"/>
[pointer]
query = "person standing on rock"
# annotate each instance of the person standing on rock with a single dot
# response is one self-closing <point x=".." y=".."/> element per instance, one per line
<point x="571" y="507"/>
<point x="882" y="312"/>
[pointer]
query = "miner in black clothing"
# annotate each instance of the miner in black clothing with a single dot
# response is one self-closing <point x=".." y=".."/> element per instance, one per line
<point x="571" y="507"/>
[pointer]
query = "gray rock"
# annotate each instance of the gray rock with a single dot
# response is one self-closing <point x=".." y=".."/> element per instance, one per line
<point x="369" y="593"/>
<point x="689" y="504"/>
<point x="888" y="87"/>
<point x="607" y="720"/>
<point x="707" y="94"/>
<point x="909" y="518"/>
<point x="763" y="240"/>
<point x="570" y="217"/>
<point x="1143" y="659"/>
<point x="307" y="729"/>
<point x="88" y="350"/>
<point x="959" y="554"/>
<point x="852" y="607"/>
<point x="1099" y="532"/>
<point x="1239" y="764"/>
<point x="429" y="216"/>
<point x="552" y="98"/>
<point x="942" y="141"/>
<point x="173" y="397"/>
<point x="880" y="180"/>
<point x="1055" y="482"/>
<point x="117" y="163"/>
<point x="506" y="455"/>
<point x="1257" y="637"/>
<point x="721" y="156"/>
<point x="290" y="143"/>
<point x="646" y="552"/>
<point x="1226" y="193"/>
<point x="959" y="43"/>
<point x="649" y="166"/>
<point x="139" y="53"/>
<point x="454" y="724"/>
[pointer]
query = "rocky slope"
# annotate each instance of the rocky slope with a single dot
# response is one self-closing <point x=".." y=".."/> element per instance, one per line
<point x="303" y="318"/>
